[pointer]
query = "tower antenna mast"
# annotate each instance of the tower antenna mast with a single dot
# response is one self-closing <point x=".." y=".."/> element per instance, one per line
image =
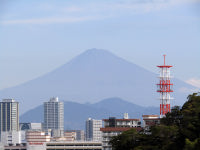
<point x="164" y="88"/>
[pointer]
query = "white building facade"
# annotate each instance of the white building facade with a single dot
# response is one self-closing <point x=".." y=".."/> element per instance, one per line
<point x="93" y="132"/>
<point x="11" y="137"/>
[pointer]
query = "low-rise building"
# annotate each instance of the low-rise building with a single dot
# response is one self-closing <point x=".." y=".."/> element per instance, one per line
<point x="21" y="146"/>
<point x="75" y="145"/>
<point x="23" y="127"/>
<point x="150" y="120"/>
<point x="37" y="136"/>
<point x="114" y="127"/>
<point x="80" y="134"/>
<point x="58" y="145"/>
<point x="30" y="126"/>
<point x="36" y="140"/>
<point x="11" y="137"/>
<point x="70" y="135"/>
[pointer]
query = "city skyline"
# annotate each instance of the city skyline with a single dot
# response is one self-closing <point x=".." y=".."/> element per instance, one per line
<point x="39" y="36"/>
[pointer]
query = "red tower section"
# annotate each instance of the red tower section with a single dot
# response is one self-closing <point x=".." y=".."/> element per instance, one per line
<point x="164" y="88"/>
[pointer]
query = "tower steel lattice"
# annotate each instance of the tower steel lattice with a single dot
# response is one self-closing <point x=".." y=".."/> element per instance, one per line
<point x="164" y="88"/>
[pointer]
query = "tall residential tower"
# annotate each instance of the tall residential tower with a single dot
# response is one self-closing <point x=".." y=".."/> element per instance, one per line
<point x="54" y="117"/>
<point x="9" y="122"/>
<point x="9" y="112"/>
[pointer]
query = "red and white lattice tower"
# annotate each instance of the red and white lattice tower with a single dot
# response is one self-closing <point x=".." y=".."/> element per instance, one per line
<point x="164" y="88"/>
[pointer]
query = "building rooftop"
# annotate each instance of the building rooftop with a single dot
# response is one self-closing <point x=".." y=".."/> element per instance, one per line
<point x="150" y="116"/>
<point x="123" y="119"/>
<point x="119" y="129"/>
<point x="54" y="99"/>
<point x="8" y="100"/>
<point x="151" y="119"/>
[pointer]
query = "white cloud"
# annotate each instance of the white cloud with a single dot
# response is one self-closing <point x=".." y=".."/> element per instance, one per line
<point x="72" y="9"/>
<point x="187" y="90"/>
<point x="184" y="1"/>
<point x="194" y="81"/>
<point x="95" y="10"/>
<point x="52" y="20"/>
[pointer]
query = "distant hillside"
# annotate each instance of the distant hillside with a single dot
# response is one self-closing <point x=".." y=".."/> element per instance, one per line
<point x="76" y="114"/>
<point x="92" y="76"/>
<point x="120" y="106"/>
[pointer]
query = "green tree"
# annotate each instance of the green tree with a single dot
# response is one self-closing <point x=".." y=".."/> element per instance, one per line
<point x="173" y="118"/>
<point x="128" y="140"/>
<point x="191" y="117"/>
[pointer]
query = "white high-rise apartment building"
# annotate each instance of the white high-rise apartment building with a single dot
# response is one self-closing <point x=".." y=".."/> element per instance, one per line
<point x="54" y="117"/>
<point x="93" y="132"/>
<point x="9" y="112"/>
<point x="9" y="122"/>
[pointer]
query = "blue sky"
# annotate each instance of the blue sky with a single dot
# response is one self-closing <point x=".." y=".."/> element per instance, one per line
<point x="37" y="36"/>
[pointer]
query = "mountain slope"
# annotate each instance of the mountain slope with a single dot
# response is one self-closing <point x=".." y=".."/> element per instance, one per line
<point x="94" y="75"/>
<point x="76" y="114"/>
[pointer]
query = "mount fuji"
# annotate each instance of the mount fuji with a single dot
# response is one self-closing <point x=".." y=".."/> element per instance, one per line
<point x="92" y="76"/>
